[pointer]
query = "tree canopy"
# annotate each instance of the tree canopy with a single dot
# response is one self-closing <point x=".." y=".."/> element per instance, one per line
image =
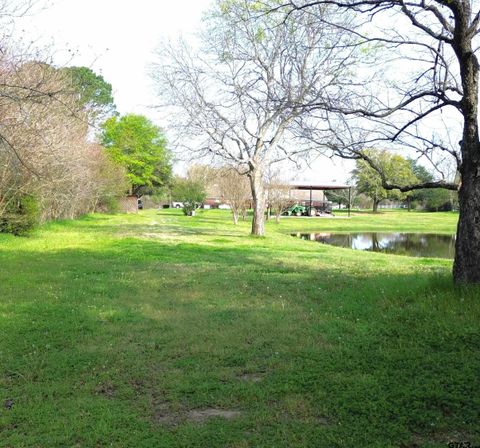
<point x="137" y="144"/>
<point x="49" y="167"/>
<point x="395" y="168"/>
<point x="94" y="93"/>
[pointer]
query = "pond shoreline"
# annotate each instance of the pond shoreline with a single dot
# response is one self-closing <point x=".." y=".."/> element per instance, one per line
<point x="413" y="244"/>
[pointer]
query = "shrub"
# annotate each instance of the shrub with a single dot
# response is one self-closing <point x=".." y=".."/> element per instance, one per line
<point x="190" y="192"/>
<point x="20" y="215"/>
<point x="108" y="204"/>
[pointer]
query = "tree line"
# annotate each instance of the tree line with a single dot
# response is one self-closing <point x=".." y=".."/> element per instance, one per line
<point x="64" y="151"/>
<point x="397" y="169"/>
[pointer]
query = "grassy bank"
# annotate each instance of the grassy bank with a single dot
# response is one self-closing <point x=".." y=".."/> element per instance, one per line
<point x="161" y="330"/>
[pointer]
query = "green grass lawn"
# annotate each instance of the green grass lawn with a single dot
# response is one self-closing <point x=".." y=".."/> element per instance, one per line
<point x="159" y="330"/>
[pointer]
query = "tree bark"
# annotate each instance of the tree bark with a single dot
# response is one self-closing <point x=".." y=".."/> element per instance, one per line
<point x="244" y="213"/>
<point x="466" y="267"/>
<point x="375" y="205"/>
<point x="258" y="196"/>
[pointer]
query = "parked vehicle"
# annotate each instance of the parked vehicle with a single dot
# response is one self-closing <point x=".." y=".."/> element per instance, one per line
<point x="177" y="204"/>
<point x="307" y="210"/>
<point x="297" y="210"/>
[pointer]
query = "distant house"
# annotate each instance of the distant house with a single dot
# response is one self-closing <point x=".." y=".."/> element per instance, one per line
<point x="214" y="198"/>
<point x="301" y="195"/>
<point x="311" y="193"/>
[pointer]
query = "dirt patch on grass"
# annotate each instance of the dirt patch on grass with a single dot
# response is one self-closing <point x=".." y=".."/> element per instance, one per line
<point x="172" y="413"/>
<point x="324" y="421"/>
<point x="108" y="390"/>
<point x="251" y="377"/>
<point x="461" y="438"/>
<point x="151" y="235"/>
<point x="165" y="416"/>
<point x="202" y="415"/>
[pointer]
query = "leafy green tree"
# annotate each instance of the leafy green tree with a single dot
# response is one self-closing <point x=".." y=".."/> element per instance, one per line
<point x="342" y="197"/>
<point x="94" y="93"/>
<point x="396" y="169"/>
<point x="137" y="144"/>
<point x="423" y="175"/>
<point x="437" y="199"/>
<point x="191" y="192"/>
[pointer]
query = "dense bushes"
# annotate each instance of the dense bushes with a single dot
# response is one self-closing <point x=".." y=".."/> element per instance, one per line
<point x="20" y="215"/>
<point x="49" y="167"/>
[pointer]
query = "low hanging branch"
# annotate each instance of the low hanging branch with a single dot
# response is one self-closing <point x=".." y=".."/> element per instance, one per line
<point x="404" y="188"/>
<point x="421" y="92"/>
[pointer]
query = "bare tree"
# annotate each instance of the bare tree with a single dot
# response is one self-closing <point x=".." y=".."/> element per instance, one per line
<point x="204" y="174"/>
<point x="240" y="99"/>
<point x="44" y="149"/>
<point x="278" y="193"/>
<point x="422" y="95"/>
<point x="234" y="190"/>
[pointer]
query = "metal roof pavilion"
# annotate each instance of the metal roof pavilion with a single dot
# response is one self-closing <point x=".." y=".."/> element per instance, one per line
<point x="310" y="187"/>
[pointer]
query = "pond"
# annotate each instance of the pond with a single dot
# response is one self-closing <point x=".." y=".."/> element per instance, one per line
<point x="410" y="244"/>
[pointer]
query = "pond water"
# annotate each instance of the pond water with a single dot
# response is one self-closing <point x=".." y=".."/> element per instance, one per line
<point x="411" y="244"/>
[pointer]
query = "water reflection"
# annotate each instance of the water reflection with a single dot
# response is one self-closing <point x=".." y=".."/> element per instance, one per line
<point x="411" y="244"/>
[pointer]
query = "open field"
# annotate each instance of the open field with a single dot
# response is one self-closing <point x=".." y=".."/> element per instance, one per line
<point x="159" y="330"/>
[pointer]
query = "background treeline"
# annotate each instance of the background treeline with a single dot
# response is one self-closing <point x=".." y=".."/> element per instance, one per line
<point x="51" y="165"/>
<point x="368" y="192"/>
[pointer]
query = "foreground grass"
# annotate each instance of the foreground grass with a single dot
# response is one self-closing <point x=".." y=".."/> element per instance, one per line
<point x="130" y="331"/>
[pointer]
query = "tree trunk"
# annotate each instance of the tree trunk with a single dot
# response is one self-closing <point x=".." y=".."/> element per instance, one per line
<point x="466" y="268"/>
<point x="258" y="197"/>
<point x="375" y="205"/>
<point x="235" y="216"/>
<point x="244" y="213"/>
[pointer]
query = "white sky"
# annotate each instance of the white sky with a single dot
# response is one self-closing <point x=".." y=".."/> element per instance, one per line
<point x="117" y="39"/>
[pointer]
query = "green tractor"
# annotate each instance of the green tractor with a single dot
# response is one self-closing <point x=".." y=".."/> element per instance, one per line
<point x="296" y="210"/>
